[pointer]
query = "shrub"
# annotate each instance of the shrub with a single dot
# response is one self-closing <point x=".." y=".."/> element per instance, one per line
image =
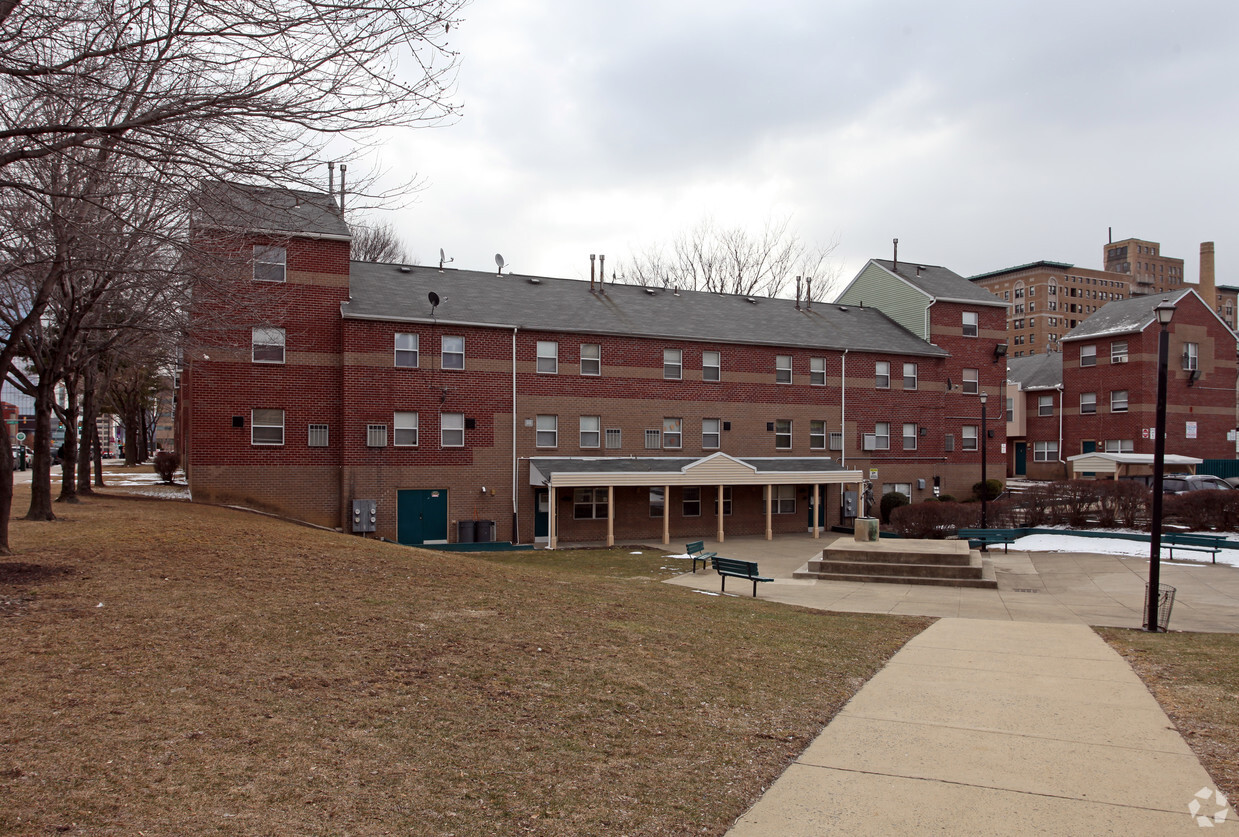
<point x="166" y="464"/>
<point x="992" y="489"/>
<point x="934" y="520"/>
<point x="1202" y="509"/>
<point x="892" y="500"/>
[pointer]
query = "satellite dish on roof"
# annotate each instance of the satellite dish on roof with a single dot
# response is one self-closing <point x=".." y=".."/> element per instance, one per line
<point x="499" y="263"/>
<point x="434" y="302"/>
<point x="443" y="259"/>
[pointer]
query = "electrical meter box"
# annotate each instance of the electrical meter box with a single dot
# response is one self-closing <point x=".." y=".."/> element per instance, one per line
<point x="364" y="515"/>
<point x="849" y="504"/>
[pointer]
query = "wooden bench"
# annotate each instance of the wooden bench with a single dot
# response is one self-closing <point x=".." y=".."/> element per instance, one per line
<point x="1193" y="543"/>
<point x="738" y="569"/>
<point x="988" y="537"/>
<point x="697" y="551"/>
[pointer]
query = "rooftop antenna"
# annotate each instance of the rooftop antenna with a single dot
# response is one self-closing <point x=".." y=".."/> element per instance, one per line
<point x="443" y="259"/>
<point x="434" y="302"/>
<point x="499" y="263"/>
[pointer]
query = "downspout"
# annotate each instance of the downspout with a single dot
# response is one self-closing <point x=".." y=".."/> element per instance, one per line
<point x="843" y="410"/>
<point x="1061" y="409"/>
<point x="515" y="464"/>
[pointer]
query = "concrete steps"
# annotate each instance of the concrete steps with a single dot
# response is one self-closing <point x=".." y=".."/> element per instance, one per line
<point x="943" y="563"/>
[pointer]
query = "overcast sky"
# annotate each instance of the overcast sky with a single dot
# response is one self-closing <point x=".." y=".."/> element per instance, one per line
<point x="982" y="135"/>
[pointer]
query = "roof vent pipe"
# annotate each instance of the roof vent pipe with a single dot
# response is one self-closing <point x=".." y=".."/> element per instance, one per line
<point x="602" y="270"/>
<point x="343" y="169"/>
<point x="797" y="293"/>
<point x="808" y="295"/>
<point x="591" y="272"/>
<point x="896" y="268"/>
<point x="331" y="178"/>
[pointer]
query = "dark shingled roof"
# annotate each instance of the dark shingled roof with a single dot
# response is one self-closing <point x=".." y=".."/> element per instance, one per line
<point x="941" y="283"/>
<point x="1123" y="316"/>
<point x="235" y="206"/>
<point x="1060" y="266"/>
<point x="386" y="292"/>
<point x="1036" y="371"/>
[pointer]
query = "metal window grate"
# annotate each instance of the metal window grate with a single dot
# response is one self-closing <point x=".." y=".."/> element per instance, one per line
<point x="653" y="439"/>
<point x="615" y="438"/>
<point x="317" y="436"/>
<point x="376" y="435"/>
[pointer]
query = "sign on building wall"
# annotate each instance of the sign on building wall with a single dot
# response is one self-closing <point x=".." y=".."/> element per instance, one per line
<point x="1191" y="430"/>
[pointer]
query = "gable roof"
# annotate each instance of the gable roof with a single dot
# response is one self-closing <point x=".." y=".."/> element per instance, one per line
<point x="400" y="293"/>
<point x="1043" y="371"/>
<point x="269" y="210"/>
<point x="940" y="283"/>
<point x="1126" y="316"/>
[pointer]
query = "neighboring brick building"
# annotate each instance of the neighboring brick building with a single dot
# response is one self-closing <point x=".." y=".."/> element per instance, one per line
<point x="1102" y="389"/>
<point x="559" y="409"/>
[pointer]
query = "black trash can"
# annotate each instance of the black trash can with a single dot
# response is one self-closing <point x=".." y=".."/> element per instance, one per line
<point x="1165" y="603"/>
<point x="465" y="531"/>
<point x="485" y="531"/>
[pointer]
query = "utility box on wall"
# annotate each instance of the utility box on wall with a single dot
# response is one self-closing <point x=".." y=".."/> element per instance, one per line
<point x="364" y="515"/>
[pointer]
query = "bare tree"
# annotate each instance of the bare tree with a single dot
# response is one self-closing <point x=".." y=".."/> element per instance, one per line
<point x="377" y="243"/>
<point x="734" y="260"/>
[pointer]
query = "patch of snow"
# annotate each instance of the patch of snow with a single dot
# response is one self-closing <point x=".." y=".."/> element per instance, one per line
<point x="684" y="557"/>
<point x="707" y="593"/>
<point x="1117" y="546"/>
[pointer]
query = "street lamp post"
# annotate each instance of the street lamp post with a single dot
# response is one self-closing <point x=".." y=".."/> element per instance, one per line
<point x="984" y="451"/>
<point x="1164" y="311"/>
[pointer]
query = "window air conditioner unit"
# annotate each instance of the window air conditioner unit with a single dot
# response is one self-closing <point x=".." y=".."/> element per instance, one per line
<point x="870" y="442"/>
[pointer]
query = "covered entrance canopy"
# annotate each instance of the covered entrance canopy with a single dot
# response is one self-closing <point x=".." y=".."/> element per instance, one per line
<point x="718" y="469"/>
<point x="1116" y="465"/>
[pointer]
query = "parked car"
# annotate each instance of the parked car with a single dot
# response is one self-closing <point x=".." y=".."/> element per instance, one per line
<point x="1184" y="483"/>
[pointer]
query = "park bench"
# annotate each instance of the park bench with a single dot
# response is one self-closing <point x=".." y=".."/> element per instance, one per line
<point x="990" y="537"/>
<point x="1193" y="543"/>
<point x="738" y="569"/>
<point x="697" y="551"/>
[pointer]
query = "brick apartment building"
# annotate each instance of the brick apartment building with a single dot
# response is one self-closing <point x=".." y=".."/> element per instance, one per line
<point x="564" y="410"/>
<point x="1100" y="392"/>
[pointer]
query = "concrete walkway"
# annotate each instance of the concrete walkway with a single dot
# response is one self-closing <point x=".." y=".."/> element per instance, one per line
<point x="985" y="727"/>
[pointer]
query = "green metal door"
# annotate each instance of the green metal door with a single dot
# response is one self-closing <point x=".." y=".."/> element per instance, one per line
<point x="421" y="516"/>
<point x="1088" y="446"/>
<point x="1021" y="458"/>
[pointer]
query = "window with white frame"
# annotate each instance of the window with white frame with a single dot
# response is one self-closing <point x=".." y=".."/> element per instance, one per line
<point x="615" y="438"/>
<point x="783" y="434"/>
<point x="971" y="327"/>
<point x="546" y="433"/>
<point x="270" y="263"/>
<point x="673" y="364"/>
<point x="882" y="375"/>
<point x="591" y="433"/>
<point x="268" y="345"/>
<point x="653" y="439"/>
<point x="589" y="503"/>
<point x="882" y="436"/>
<point x="673" y="433"/>
<point x="1045" y="405"/>
<point x="591" y="359"/>
<point x="376" y="435"/>
<point x="1045" y="451"/>
<point x="690" y="500"/>
<point x="317" y="435"/>
<point x="404" y="429"/>
<point x="406" y="350"/>
<point x="783" y="369"/>
<point x="909" y="436"/>
<point x="972" y="381"/>
<point x="909" y="376"/>
<point x="1118" y="401"/>
<point x="452" y="430"/>
<point x="711" y="436"/>
<point x="1010" y="409"/>
<point x="968" y="437"/>
<point x="711" y="366"/>
<point x="266" y="427"/>
<point x="453" y="352"/>
<point x="904" y="488"/>
<point x="1118" y="351"/>
<point x="1120" y="446"/>
<point x="817" y="371"/>
<point x="1088" y="403"/>
<point x="548" y="357"/>
<point x="817" y="435"/>
<point x="657" y="501"/>
<point x="1088" y="355"/>
<point x="1191" y="356"/>
<point x="784" y="500"/>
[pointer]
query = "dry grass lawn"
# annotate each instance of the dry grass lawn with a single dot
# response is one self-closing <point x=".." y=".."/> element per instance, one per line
<point x="175" y="669"/>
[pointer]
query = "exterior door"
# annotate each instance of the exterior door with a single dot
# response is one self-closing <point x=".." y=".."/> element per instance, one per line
<point x="1088" y="447"/>
<point x="541" y="516"/>
<point x="421" y="516"/>
<point x="1021" y="458"/>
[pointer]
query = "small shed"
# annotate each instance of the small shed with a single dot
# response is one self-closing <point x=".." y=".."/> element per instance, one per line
<point x="1118" y="465"/>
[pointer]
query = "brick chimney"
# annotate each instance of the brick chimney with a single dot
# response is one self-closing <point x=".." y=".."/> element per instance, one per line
<point x="1208" y="283"/>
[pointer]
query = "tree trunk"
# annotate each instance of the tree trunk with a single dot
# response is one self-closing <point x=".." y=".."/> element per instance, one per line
<point x="90" y="431"/>
<point x="41" y="466"/>
<point x="68" y="458"/>
<point x="98" y="455"/>
<point x="6" y="486"/>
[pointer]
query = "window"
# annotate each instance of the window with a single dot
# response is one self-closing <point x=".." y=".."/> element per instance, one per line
<point x="783" y="434"/>
<point x="817" y="435"/>
<point x="376" y="435"/>
<point x="452" y="430"/>
<point x="1118" y="401"/>
<point x="882" y="436"/>
<point x="591" y="433"/>
<point x="548" y="357"/>
<point x="656" y="501"/>
<point x="972" y="381"/>
<point x="726" y="501"/>
<point x="783" y="369"/>
<point x="817" y="371"/>
<point x="904" y="488"/>
<point x="673" y="364"/>
<point x="653" y="439"/>
<point x="589" y="504"/>
<point x="547" y="432"/>
<point x="909" y="436"/>
<point x="268" y="345"/>
<point x="591" y="359"/>
<point x="710" y="435"/>
<point x="1088" y="402"/>
<point x="784" y="500"/>
<point x="266" y="427"/>
<point x="1010" y="409"/>
<point x="673" y="432"/>
<point x="406" y="350"/>
<point x="404" y="430"/>
<point x="453" y="352"/>
<point x="691" y="500"/>
<point x="909" y="376"/>
<point x="1191" y="356"/>
<point x="1088" y="355"/>
<point x="317" y="436"/>
<point x="270" y="263"/>
<point x="948" y="443"/>
<point x="970" y="324"/>
<point x="1045" y="451"/>
<point x="882" y="375"/>
<point x="615" y="438"/>
<point x="1120" y="446"/>
<point x="968" y="437"/>
<point x="711" y="366"/>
